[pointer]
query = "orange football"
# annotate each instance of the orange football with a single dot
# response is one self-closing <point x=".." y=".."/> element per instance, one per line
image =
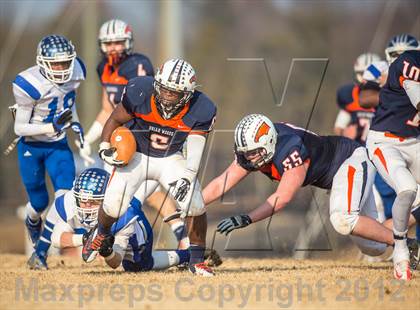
<point x="123" y="140"/>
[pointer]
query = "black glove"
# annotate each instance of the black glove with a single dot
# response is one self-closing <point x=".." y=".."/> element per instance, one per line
<point x="228" y="224"/>
<point x="106" y="248"/>
<point x="62" y="120"/>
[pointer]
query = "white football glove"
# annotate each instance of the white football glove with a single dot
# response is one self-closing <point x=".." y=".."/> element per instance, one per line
<point x="85" y="153"/>
<point x="179" y="189"/>
<point x="109" y="154"/>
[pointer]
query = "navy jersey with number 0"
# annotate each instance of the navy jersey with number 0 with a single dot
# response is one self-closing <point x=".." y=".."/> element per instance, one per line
<point x="114" y="79"/>
<point x="156" y="136"/>
<point x="295" y="146"/>
<point x="396" y="114"/>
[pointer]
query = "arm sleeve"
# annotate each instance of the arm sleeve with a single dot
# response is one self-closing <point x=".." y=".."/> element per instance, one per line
<point x="195" y="149"/>
<point x="23" y="116"/>
<point x="343" y="119"/>
<point x="412" y="88"/>
<point x="59" y="228"/>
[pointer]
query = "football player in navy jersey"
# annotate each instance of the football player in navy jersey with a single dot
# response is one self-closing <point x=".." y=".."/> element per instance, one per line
<point x="353" y="120"/>
<point x="296" y="157"/>
<point x="118" y="64"/>
<point x="394" y="144"/>
<point x="166" y="112"/>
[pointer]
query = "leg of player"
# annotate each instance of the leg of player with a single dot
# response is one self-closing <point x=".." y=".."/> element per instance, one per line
<point x="165" y="206"/>
<point x="353" y="184"/>
<point x="121" y="188"/>
<point x="32" y="171"/>
<point x="391" y="157"/>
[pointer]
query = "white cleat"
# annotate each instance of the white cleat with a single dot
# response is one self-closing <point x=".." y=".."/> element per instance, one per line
<point x="402" y="270"/>
<point x="401" y="258"/>
<point x="201" y="269"/>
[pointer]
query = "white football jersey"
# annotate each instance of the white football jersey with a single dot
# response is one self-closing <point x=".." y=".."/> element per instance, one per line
<point x="46" y="99"/>
<point x="130" y="231"/>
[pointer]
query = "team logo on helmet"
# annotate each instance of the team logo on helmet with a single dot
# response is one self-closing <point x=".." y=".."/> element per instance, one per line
<point x="262" y="131"/>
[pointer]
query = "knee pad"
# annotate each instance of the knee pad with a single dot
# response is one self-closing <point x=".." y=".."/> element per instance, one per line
<point x="113" y="205"/>
<point x="343" y="223"/>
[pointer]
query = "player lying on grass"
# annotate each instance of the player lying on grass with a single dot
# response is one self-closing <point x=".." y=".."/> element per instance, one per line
<point x="296" y="157"/>
<point x="75" y="214"/>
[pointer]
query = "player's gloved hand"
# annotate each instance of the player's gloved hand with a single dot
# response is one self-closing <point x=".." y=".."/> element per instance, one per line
<point x="62" y="120"/>
<point x="106" y="249"/>
<point x="78" y="129"/>
<point x="109" y="154"/>
<point x="179" y="189"/>
<point x="234" y="222"/>
<point x="85" y="153"/>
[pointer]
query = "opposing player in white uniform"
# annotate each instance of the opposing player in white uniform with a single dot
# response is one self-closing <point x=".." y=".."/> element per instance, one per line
<point x="394" y="139"/>
<point x="75" y="213"/>
<point x="45" y="106"/>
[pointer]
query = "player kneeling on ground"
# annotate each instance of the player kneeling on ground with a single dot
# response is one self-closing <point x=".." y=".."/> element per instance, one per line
<point x="296" y="157"/>
<point x="76" y="217"/>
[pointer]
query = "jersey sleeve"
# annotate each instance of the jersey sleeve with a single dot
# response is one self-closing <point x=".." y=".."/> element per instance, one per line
<point x="344" y="96"/>
<point x="136" y="93"/>
<point x="136" y="65"/>
<point x="100" y="69"/>
<point x="60" y="227"/>
<point x="204" y="112"/>
<point x="404" y="68"/>
<point x="296" y="155"/>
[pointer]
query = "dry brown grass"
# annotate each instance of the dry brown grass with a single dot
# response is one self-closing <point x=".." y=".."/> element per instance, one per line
<point x="240" y="283"/>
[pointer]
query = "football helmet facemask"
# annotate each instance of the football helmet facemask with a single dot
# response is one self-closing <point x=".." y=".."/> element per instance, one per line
<point x="55" y="58"/>
<point x="115" y="30"/>
<point x="89" y="192"/>
<point x="174" y="86"/>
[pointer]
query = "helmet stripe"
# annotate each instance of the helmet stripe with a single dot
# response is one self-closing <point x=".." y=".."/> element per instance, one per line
<point x="173" y="71"/>
<point x="178" y="79"/>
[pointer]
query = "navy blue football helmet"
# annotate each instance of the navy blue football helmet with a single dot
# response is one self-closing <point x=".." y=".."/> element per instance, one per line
<point x="399" y="44"/>
<point x="52" y="50"/>
<point x="89" y="189"/>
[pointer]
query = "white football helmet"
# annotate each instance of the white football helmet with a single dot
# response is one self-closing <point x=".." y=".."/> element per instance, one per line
<point x="175" y="75"/>
<point x="399" y="44"/>
<point x="362" y="62"/>
<point x="255" y="133"/>
<point x="116" y="30"/>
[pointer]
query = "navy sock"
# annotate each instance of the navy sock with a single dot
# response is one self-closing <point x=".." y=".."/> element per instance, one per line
<point x="196" y="254"/>
<point x="42" y="248"/>
<point x="184" y="256"/>
<point x="180" y="232"/>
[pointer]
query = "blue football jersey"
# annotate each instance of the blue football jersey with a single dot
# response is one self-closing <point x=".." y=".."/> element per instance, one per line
<point x="348" y="100"/>
<point x="295" y="146"/>
<point x="114" y="79"/>
<point x="156" y="136"/>
<point x="396" y="114"/>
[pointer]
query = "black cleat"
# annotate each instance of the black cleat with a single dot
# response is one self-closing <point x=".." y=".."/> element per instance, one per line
<point x="37" y="262"/>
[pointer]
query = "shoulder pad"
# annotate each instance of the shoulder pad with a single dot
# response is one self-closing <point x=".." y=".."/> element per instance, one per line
<point x="33" y="83"/>
<point x="129" y="68"/>
<point x="202" y="108"/>
<point x="65" y="206"/>
<point x="79" y="71"/>
<point x="139" y="86"/>
<point x="345" y="95"/>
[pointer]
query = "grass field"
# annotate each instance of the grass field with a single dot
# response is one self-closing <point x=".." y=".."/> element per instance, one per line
<point x="239" y="284"/>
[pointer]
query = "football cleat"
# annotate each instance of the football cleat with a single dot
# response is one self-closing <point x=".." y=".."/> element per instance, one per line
<point x="34" y="229"/>
<point x="201" y="269"/>
<point x="212" y="258"/>
<point x="91" y="245"/>
<point x="37" y="262"/>
<point x="402" y="270"/>
<point x="414" y="249"/>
